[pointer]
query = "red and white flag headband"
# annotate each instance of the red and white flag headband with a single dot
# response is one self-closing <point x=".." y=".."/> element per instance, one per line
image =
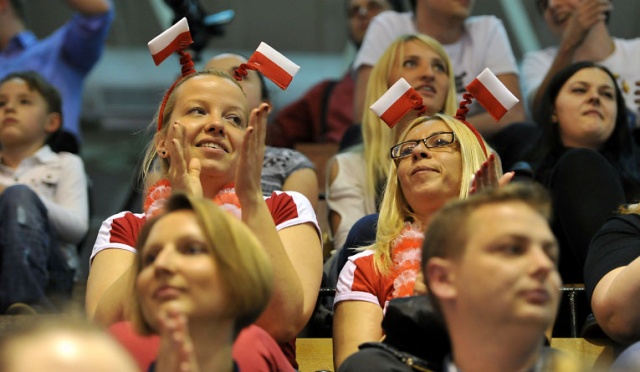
<point x="272" y="64"/>
<point x="494" y="96"/>
<point x="396" y="102"/>
<point x="175" y="39"/>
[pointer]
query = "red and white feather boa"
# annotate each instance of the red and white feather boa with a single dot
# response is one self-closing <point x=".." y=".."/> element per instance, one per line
<point x="158" y="194"/>
<point x="406" y="255"/>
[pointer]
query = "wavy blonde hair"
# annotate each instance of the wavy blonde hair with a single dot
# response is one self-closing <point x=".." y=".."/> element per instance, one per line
<point x="395" y="210"/>
<point x="376" y="135"/>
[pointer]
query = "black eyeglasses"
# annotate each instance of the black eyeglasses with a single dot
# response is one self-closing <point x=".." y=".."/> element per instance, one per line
<point x="438" y="139"/>
<point x="371" y="7"/>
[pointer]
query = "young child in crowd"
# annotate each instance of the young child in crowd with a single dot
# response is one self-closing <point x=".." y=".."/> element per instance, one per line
<point x="43" y="198"/>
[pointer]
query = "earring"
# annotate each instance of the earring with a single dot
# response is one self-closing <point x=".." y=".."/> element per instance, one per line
<point x="163" y="153"/>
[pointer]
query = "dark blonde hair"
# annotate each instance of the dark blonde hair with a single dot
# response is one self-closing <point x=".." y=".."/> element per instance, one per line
<point x="244" y="268"/>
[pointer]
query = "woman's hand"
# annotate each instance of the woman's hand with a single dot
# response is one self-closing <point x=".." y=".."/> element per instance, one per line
<point x="182" y="176"/>
<point x="489" y="175"/>
<point x="176" y="349"/>
<point x="249" y="172"/>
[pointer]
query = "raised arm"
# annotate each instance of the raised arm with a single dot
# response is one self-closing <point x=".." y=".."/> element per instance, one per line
<point x="107" y="289"/>
<point x="295" y="251"/>
<point x="580" y="24"/>
<point x="89" y="7"/>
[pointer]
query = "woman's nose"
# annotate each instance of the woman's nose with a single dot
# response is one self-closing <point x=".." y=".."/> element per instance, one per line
<point x="421" y="151"/>
<point x="215" y="126"/>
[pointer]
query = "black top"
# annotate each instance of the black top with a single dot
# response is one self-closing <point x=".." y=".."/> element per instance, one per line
<point x="615" y="245"/>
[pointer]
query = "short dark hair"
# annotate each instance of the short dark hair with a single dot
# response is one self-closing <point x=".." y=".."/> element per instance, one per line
<point x="36" y="82"/>
<point x="447" y="233"/>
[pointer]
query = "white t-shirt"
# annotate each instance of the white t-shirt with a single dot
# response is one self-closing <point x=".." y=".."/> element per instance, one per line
<point x="623" y="63"/>
<point x="484" y="44"/>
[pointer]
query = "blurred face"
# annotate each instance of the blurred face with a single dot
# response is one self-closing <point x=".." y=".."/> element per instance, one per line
<point x="510" y="259"/>
<point x="208" y="121"/>
<point x="63" y="350"/>
<point x="178" y="271"/>
<point x="360" y="13"/>
<point x="24" y="116"/>
<point x="251" y="83"/>
<point x="425" y="71"/>
<point x="586" y="109"/>
<point x="429" y="177"/>
<point x="557" y="14"/>
<point x="458" y="9"/>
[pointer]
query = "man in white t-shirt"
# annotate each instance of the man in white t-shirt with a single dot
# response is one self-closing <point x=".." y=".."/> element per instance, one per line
<point x="581" y="29"/>
<point x="473" y="43"/>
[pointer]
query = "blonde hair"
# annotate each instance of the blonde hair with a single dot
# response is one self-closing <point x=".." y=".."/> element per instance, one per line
<point x="395" y="210"/>
<point x="376" y="135"/>
<point x="245" y="270"/>
<point x="154" y="167"/>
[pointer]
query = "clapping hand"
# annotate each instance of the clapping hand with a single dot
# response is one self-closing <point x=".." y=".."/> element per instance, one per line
<point x="490" y="175"/>
<point x="182" y="176"/>
<point x="249" y="171"/>
<point x="176" y="349"/>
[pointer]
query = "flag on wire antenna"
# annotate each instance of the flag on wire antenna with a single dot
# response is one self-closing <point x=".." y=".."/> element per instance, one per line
<point x="396" y="102"/>
<point x="489" y="91"/>
<point x="174" y="38"/>
<point x="272" y="64"/>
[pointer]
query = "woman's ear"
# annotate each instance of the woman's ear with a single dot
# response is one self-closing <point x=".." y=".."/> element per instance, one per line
<point x="554" y="117"/>
<point x="161" y="148"/>
<point x="54" y="121"/>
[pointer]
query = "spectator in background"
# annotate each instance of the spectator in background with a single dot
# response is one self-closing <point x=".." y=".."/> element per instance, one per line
<point x="43" y="198"/>
<point x="64" y="58"/>
<point x="282" y="169"/>
<point x="581" y="29"/>
<point x="325" y="111"/>
<point x="472" y="43"/>
<point x="585" y="158"/>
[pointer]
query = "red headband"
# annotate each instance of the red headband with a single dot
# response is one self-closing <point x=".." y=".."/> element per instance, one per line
<point x="461" y="115"/>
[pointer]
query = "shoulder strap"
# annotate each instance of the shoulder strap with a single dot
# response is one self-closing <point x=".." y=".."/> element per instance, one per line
<point x="410" y="360"/>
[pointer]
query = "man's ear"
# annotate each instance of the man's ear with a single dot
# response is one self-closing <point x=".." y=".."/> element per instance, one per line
<point x="54" y="121"/>
<point x="440" y="275"/>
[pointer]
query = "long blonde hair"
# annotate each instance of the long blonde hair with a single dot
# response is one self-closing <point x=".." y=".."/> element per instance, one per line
<point x="377" y="137"/>
<point x="395" y="210"/>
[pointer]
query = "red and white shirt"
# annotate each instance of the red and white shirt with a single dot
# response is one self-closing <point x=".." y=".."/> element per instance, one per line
<point x="121" y="230"/>
<point x="360" y="281"/>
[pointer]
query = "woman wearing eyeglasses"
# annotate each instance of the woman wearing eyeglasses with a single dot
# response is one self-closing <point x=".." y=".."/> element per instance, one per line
<point x="356" y="176"/>
<point x="433" y="162"/>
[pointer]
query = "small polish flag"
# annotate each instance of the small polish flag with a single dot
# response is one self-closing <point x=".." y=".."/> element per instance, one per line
<point x="174" y="38"/>
<point x="396" y="102"/>
<point x="492" y="94"/>
<point x="273" y="65"/>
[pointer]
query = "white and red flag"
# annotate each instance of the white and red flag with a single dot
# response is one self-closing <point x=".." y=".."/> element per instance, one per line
<point x="272" y="64"/>
<point x="396" y="102"/>
<point x="173" y="39"/>
<point x="489" y="91"/>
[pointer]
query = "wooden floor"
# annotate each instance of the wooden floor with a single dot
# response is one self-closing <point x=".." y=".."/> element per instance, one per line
<point x="315" y="354"/>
